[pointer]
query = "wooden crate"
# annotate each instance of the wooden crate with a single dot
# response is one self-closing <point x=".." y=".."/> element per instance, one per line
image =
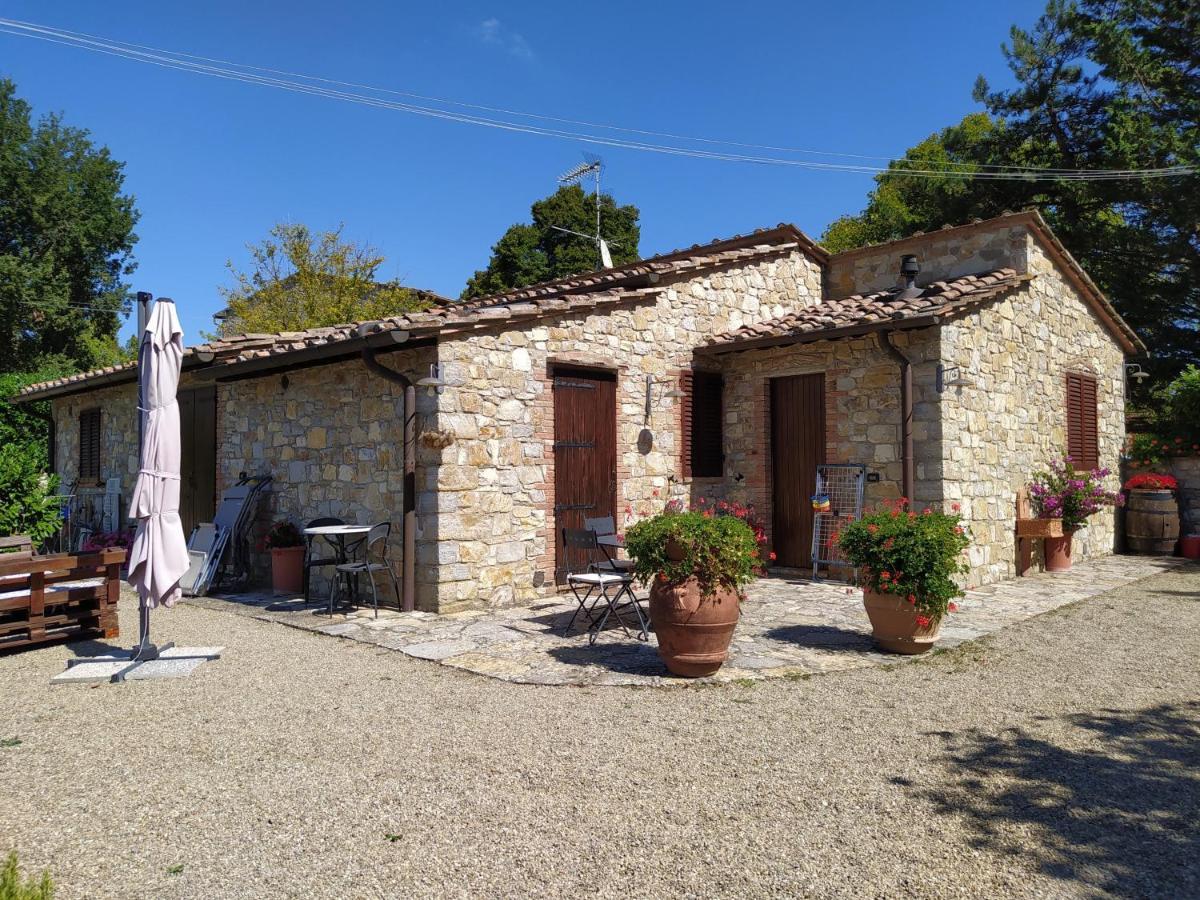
<point x="63" y="595"/>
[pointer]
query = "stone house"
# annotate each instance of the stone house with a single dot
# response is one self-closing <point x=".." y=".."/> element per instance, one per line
<point x="729" y="369"/>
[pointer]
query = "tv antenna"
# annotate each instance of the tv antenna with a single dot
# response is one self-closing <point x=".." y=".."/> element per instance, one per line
<point x="592" y="165"/>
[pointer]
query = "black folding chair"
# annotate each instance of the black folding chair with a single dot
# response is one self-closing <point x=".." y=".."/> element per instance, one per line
<point x="610" y="588"/>
<point x="606" y="538"/>
<point x="314" y="562"/>
<point x="375" y="559"/>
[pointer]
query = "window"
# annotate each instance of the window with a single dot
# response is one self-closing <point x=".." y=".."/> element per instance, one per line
<point x="702" y="448"/>
<point x="1082" y="444"/>
<point x="89" y="446"/>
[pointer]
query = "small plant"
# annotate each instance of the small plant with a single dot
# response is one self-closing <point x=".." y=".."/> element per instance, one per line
<point x="11" y="742"/>
<point x="13" y="887"/>
<point x="1151" y="481"/>
<point x="914" y="556"/>
<point x="282" y="534"/>
<point x="104" y="540"/>
<point x="720" y="551"/>
<point x="1063" y="492"/>
<point x="176" y="869"/>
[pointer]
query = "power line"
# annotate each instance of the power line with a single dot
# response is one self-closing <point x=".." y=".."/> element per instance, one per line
<point x="179" y="61"/>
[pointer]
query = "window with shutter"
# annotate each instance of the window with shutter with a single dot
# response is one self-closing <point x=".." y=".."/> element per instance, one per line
<point x="89" y="446"/>
<point x="1083" y="445"/>
<point x="702" y="448"/>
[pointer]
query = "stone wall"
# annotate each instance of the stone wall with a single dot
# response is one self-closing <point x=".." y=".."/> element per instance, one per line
<point x="118" y="446"/>
<point x="332" y="437"/>
<point x="1011" y="420"/>
<point x="1186" y="470"/>
<point x="862" y="415"/>
<point x="941" y="254"/>
<point x="486" y="502"/>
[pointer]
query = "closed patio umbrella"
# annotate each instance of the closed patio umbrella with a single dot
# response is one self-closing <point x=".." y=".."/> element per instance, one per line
<point x="158" y="558"/>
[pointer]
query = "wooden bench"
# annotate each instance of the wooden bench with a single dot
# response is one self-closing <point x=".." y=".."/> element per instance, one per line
<point x="63" y="595"/>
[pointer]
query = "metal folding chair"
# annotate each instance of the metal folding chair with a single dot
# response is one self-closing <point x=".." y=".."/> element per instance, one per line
<point x="606" y="527"/>
<point x="375" y="559"/>
<point x="611" y="587"/>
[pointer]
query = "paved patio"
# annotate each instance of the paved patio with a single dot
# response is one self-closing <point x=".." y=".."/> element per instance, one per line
<point x="790" y="627"/>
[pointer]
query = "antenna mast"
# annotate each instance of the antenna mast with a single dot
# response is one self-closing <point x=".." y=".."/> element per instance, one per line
<point x="592" y="166"/>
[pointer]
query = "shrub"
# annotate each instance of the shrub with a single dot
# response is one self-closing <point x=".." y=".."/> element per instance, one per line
<point x="720" y="551"/>
<point x="13" y="887"/>
<point x="914" y="556"/>
<point x="282" y="534"/>
<point x="1062" y="492"/>
<point x="102" y="540"/>
<point x="28" y="502"/>
<point x="1181" y="404"/>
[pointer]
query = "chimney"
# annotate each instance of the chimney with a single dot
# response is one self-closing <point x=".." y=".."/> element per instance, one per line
<point x="909" y="269"/>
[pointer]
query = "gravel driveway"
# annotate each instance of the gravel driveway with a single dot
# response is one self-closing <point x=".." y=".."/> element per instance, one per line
<point x="1059" y="757"/>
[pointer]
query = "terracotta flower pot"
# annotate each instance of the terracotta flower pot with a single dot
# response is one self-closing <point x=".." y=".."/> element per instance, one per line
<point x="1189" y="546"/>
<point x="287" y="569"/>
<point x="1058" y="553"/>
<point x="894" y="624"/>
<point x="693" y="631"/>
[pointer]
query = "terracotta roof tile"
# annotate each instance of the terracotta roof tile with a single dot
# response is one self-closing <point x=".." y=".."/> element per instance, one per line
<point x="883" y="307"/>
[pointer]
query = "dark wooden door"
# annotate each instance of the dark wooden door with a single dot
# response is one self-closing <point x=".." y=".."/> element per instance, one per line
<point x="585" y="457"/>
<point x="198" y="461"/>
<point x="797" y="448"/>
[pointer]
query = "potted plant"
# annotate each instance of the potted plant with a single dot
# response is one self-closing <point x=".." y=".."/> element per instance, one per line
<point x="1152" y="515"/>
<point x="287" y="556"/>
<point x="906" y="563"/>
<point x="696" y="564"/>
<point x="1063" y="492"/>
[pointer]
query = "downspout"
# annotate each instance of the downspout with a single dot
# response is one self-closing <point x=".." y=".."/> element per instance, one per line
<point x="408" y="575"/>
<point x="906" y="411"/>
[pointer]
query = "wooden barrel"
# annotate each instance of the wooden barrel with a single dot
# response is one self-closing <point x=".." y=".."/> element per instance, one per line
<point x="1151" y="522"/>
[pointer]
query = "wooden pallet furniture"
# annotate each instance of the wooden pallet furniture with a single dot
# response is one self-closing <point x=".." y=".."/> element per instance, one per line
<point x="1030" y="529"/>
<point x="62" y="595"/>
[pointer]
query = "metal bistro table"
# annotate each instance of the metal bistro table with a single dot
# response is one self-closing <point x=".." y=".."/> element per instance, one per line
<point x="340" y="534"/>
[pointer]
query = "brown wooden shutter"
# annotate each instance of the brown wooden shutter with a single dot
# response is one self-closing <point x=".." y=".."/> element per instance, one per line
<point x="89" y="446"/>
<point x="686" y="405"/>
<point x="1083" y="445"/>
<point x="708" y="450"/>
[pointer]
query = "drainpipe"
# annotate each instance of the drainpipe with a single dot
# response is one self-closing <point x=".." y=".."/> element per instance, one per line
<point x="906" y="411"/>
<point x="408" y="576"/>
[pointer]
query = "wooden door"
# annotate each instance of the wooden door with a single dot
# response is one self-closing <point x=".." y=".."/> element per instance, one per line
<point x="585" y="457"/>
<point x="797" y="448"/>
<point x="198" y="461"/>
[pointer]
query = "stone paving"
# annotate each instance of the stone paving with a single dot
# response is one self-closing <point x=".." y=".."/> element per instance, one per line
<point x="790" y="627"/>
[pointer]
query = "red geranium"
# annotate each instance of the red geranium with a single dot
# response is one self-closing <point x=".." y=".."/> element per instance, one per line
<point x="1151" y="481"/>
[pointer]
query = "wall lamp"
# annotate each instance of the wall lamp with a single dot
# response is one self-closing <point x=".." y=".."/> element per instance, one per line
<point x="951" y="377"/>
<point x="669" y="390"/>
<point x="1136" y="372"/>
<point x="433" y="381"/>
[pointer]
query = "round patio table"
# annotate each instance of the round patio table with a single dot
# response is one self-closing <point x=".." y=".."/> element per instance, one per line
<point x="339" y="533"/>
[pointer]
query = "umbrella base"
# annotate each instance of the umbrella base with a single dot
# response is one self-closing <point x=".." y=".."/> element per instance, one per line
<point x="171" y="662"/>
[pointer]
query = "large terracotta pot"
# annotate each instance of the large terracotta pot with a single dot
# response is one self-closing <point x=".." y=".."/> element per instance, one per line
<point x="894" y="624"/>
<point x="1058" y="553"/>
<point x="693" y="631"/>
<point x="287" y="569"/>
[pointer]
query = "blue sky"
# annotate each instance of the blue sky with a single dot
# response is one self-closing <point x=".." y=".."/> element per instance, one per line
<point x="213" y="163"/>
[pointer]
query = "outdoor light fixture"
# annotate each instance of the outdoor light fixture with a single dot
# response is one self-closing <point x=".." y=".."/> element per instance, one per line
<point x="433" y="381"/>
<point x="651" y="384"/>
<point x="951" y="377"/>
<point x="1136" y="372"/>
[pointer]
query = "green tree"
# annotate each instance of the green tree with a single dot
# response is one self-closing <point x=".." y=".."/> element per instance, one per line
<point x="299" y="280"/>
<point x="529" y="253"/>
<point x="1100" y="84"/>
<point x="66" y="239"/>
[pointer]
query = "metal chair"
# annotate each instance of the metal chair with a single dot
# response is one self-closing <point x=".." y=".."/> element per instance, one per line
<point x="604" y="583"/>
<point x="375" y="559"/>
<point x="606" y="527"/>
<point x="311" y="562"/>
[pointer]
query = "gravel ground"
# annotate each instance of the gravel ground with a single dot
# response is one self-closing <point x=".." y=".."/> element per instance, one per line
<point x="1059" y="757"/>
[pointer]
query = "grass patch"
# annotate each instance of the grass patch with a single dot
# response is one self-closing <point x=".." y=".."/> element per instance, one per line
<point x="392" y="838"/>
<point x="176" y="869"/>
<point x="11" y="742"/>
<point x="14" y="887"/>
